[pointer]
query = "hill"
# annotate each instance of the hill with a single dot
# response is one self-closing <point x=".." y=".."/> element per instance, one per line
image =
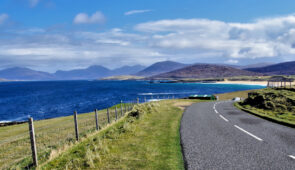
<point x="128" y="70"/>
<point x="122" y="77"/>
<point x="205" y="71"/>
<point x="161" y="67"/>
<point x="19" y="73"/>
<point x="92" y="72"/>
<point x="257" y="65"/>
<point x="286" y="68"/>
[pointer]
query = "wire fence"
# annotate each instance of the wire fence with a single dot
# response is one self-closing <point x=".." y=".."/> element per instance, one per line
<point x="52" y="136"/>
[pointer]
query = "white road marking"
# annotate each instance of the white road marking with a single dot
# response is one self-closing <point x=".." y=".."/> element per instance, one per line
<point x="216" y="111"/>
<point x="291" y="156"/>
<point x="248" y="133"/>
<point x="223" y="118"/>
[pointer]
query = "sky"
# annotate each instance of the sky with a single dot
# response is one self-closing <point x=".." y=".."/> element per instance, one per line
<point x="50" y="35"/>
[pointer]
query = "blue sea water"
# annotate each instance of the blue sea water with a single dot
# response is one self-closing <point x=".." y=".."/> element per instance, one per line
<point x="43" y="100"/>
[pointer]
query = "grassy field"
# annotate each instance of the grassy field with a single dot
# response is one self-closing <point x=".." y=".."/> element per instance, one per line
<point x="148" y="138"/>
<point x="52" y="136"/>
<point x="229" y="96"/>
<point x="275" y="104"/>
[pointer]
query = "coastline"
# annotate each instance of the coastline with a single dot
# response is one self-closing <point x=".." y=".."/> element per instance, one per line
<point x="255" y="83"/>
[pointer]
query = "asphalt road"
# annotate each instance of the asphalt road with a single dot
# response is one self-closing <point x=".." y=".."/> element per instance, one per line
<point x="216" y="135"/>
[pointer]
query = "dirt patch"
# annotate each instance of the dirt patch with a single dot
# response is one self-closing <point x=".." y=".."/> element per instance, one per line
<point x="182" y="104"/>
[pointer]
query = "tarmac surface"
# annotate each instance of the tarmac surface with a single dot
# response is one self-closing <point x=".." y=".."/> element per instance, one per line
<point x="216" y="135"/>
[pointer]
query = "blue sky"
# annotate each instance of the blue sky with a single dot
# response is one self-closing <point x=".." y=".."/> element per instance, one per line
<point x="65" y="34"/>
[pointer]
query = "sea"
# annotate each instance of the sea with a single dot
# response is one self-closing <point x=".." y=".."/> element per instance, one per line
<point x="50" y="99"/>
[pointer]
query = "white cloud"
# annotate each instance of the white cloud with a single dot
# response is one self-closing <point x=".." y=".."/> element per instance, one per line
<point x="34" y="3"/>
<point x="183" y="40"/>
<point x="132" y="12"/>
<point x="3" y="18"/>
<point x="269" y="37"/>
<point x="96" y="18"/>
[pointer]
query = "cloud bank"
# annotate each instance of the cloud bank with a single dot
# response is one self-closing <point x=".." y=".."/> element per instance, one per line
<point x="183" y="40"/>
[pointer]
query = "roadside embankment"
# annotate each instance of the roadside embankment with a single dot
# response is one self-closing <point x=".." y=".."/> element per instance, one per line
<point x="147" y="138"/>
<point x="274" y="104"/>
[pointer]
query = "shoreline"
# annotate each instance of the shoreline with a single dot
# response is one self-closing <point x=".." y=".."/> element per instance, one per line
<point x="253" y="83"/>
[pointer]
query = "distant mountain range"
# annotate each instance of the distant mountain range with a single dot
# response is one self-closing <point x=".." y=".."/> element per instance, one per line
<point x="18" y="73"/>
<point x="160" y="67"/>
<point x="92" y="72"/>
<point x="165" y="69"/>
<point x="205" y="71"/>
<point x="257" y="65"/>
<point x="287" y="68"/>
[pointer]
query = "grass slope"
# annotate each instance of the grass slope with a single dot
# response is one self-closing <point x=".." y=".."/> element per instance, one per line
<point x="229" y="96"/>
<point x="148" y="138"/>
<point x="53" y="136"/>
<point x="274" y="104"/>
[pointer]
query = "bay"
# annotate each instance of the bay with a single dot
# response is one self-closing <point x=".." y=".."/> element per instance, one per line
<point x="49" y="99"/>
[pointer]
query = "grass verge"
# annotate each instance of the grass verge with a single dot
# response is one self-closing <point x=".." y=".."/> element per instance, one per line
<point x="53" y="136"/>
<point x="148" y="138"/>
<point x="229" y="96"/>
<point x="275" y="104"/>
<point x="268" y="115"/>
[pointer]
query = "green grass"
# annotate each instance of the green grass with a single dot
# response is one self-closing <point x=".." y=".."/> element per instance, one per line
<point x="274" y="104"/>
<point x="229" y="96"/>
<point x="52" y="136"/>
<point x="148" y="138"/>
<point x="286" y="120"/>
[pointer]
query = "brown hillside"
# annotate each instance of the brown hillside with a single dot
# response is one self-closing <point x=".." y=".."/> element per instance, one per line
<point x="206" y="71"/>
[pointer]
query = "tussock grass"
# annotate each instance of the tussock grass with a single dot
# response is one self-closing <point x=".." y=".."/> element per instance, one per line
<point x="276" y="104"/>
<point x="53" y="136"/>
<point x="148" y="138"/>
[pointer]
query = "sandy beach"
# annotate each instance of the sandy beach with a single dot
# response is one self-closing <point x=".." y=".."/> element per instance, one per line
<point x="259" y="83"/>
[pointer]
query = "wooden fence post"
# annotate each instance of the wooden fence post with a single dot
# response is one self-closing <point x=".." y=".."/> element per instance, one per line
<point x="116" y="113"/>
<point x="76" y="125"/>
<point x="108" y="115"/>
<point x="137" y="100"/>
<point x="121" y="108"/>
<point x="33" y="142"/>
<point x="96" y="120"/>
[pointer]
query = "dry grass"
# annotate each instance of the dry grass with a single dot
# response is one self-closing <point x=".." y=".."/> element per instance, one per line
<point x="148" y="138"/>
<point x="52" y="136"/>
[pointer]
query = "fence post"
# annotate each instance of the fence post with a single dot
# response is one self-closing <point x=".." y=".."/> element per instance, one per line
<point x="76" y="125"/>
<point x="137" y="100"/>
<point x="33" y="142"/>
<point x="108" y="115"/>
<point x="96" y="120"/>
<point x="125" y="108"/>
<point x="121" y="108"/>
<point x="116" y="113"/>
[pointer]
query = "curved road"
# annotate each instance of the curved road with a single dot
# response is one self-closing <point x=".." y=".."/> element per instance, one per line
<point x="216" y="135"/>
